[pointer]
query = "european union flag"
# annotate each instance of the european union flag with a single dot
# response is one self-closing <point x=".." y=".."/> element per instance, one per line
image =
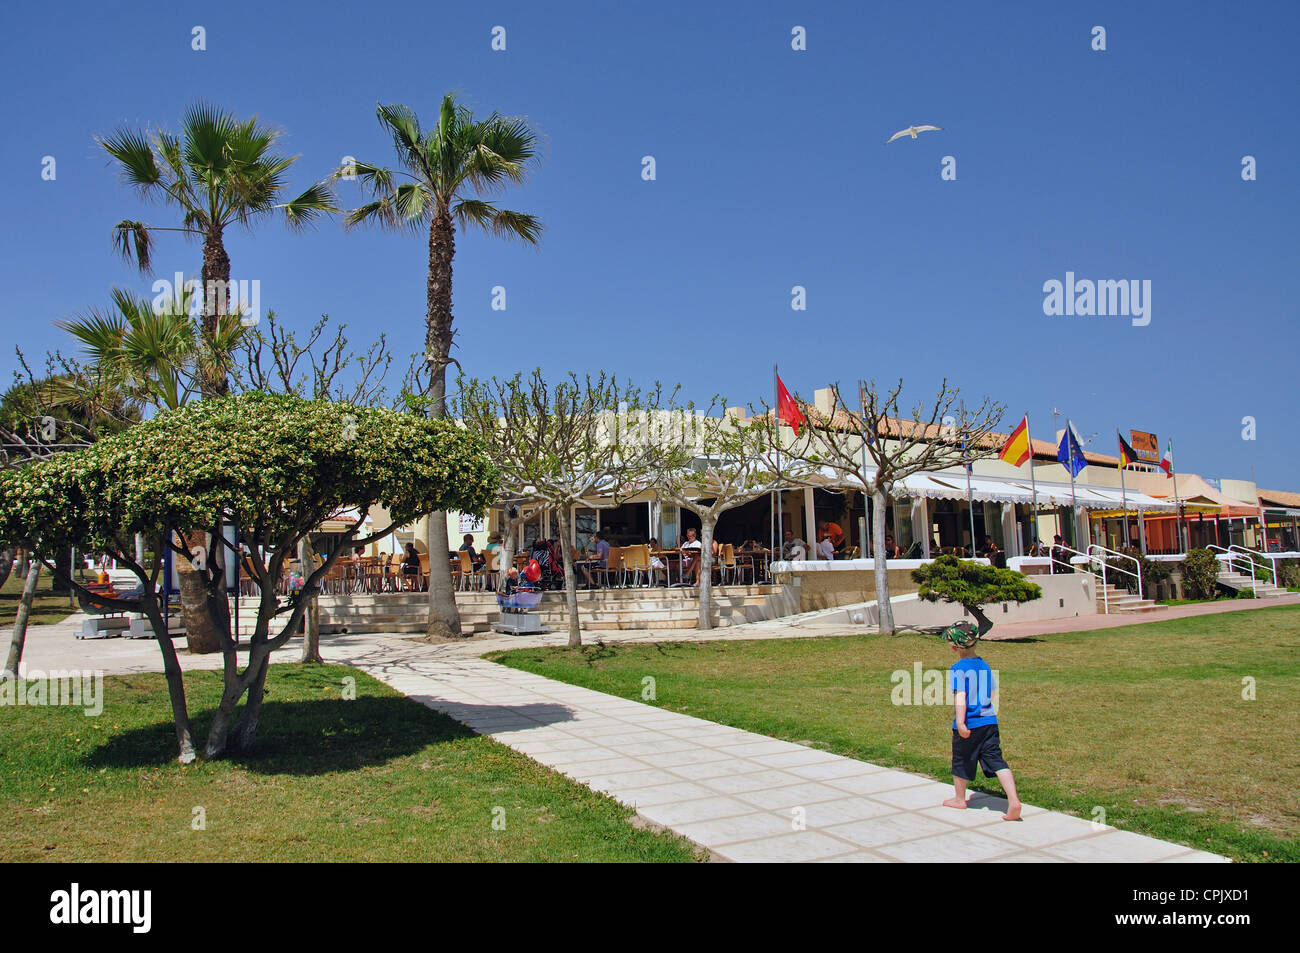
<point x="1070" y="452"/>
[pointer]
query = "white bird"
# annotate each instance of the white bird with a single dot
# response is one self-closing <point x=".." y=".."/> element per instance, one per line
<point x="912" y="131"/>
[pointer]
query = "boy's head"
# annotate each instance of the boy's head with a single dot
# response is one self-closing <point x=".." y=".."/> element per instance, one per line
<point x="963" y="636"/>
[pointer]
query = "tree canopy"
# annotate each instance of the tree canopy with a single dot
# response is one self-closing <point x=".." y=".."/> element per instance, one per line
<point x="274" y="465"/>
<point x="972" y="584"/>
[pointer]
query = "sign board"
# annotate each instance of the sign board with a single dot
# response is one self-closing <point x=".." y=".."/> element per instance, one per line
<point x="1146" y="445"/>
<point x="469" y="523"/>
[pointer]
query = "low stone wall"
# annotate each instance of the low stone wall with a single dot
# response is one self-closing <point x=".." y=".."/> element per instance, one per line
<point x="1064" y="595"/>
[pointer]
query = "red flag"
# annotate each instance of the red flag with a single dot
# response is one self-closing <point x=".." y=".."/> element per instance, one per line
<point x="787" y="411"/>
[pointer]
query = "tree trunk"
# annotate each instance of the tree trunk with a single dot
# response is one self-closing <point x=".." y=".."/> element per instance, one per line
<point x="175" y="682"/>
<point x="444" y="616"/>
<point x="311" y="617"/>
<point x="570" y="577"/>
<point x="244" y="732"/>
<point x="19" y="637"/>
<point x="201" y="627"/>
<point x="216" y="302"/>
<point x="507" y="559"/>
<point x="22" y="563"/>
<point x="983" y="621"/>
<point x="7" y="554"/>
<point x="707" y="523"/>
<point x="883" y="606"/>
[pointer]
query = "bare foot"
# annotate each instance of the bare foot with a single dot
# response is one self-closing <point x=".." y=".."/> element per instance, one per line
<point x="1013" y="812"/>
<point x="956" y="802"/>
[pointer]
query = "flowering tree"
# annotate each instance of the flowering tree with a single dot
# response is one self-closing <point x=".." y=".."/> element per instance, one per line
<point x="274" y="466"/>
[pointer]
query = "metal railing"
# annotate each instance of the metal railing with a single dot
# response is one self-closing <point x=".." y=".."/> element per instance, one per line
<point x="1272" y="560"/>
<point x="1106" y="566"/>
<point x="1233" y="556"/>
<point x="1090" y="558"/>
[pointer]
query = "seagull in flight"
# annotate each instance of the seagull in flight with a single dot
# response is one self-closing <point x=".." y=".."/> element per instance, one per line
<point x="912" y="131"/>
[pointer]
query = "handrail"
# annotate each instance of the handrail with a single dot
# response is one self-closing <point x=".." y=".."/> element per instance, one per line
<point x="1092" y="558"/>
<point x="1105" y="591"/>
<point x="1232" y="558"/>
<point x="1136" y="575"/>
<point x="1272" y="560"/>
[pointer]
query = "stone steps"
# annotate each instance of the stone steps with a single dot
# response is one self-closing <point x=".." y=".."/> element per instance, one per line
<point x="1242" y="583"/>
<point x="605" y="609"/>
<point x="1121" y="600"/>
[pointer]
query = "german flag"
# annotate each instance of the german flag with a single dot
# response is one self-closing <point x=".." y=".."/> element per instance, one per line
<point x="1016" y="450"/>
<point x="1126" y="453"/>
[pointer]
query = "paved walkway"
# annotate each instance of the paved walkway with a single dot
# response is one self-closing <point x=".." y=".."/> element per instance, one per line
<point x="744" y="796"/>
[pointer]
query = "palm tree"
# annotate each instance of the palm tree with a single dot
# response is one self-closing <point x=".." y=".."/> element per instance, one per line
<point x="217" y="171"/>
<point x="446" y="170"/>
<point x="154" y="355"/>
<point x="151" y="358"/>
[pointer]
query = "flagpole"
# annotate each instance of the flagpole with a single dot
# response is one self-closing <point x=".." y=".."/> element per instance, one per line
<point x="970" y="505"/>
<point x="778" y="541"/>
<point x="862" y="402"/>
<point x="1069" y="465"/>
<point x="1033" y="484"/>
<point x="1178" y="506"/>
<point x="1123" y="493"/>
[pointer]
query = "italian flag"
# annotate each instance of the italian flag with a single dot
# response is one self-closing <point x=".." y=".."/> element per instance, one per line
<point x="1167" y="461"/>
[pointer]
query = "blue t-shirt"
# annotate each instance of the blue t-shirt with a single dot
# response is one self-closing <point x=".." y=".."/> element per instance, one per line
<point x="602" y="553"/>
<point x="974" y="677"/>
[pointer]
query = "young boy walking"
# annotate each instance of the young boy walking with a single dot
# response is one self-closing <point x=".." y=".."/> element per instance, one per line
<point x="975" y="740"/>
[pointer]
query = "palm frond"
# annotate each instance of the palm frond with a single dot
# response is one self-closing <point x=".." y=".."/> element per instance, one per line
<point x="309" y="206"/>
<point x="134" y="243"/>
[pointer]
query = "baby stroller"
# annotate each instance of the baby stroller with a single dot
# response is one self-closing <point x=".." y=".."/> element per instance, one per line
<point x="550" y="563"/>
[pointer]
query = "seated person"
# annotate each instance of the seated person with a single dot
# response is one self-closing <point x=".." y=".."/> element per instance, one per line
<point x="793" y="547"/>
<point x="411" y="563"/>
<point x="825" y="549"/>
<point x="601" y="560"/>
<point x="839" y="542"/>
<point x="891" y="548"/>
<point x="692" y="551"/>
<point x="512" y="582"/>
<point x="657" y="565"/>
<point x="468" y="547"/>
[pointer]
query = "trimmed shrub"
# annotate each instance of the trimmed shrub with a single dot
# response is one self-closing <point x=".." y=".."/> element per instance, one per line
<point x="1200" y="574"/>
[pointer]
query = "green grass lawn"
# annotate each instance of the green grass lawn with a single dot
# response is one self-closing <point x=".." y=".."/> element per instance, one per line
<point x="378" y="778"/>
<point x="47" y="608"/>
<point x="1147" y="721"/>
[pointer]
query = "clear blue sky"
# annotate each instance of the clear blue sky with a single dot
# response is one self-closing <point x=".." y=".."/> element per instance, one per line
<point x="772" y="172"/>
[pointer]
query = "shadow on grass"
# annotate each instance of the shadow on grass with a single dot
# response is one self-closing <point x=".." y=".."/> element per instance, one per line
<point x="300" y="737"/>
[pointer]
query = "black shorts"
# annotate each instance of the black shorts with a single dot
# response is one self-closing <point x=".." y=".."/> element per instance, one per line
<point x="982" y="748"/>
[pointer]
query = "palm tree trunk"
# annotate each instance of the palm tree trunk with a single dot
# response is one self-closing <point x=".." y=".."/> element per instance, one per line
<point x="19" y="637"/>
<point x="444" y="617"/>
<point x="216" y="302"/>
<point x="884" y="608"/>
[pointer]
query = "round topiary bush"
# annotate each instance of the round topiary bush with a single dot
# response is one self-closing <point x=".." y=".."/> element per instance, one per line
<point x="972" y="585"/>
<point x="1200" y="574"/>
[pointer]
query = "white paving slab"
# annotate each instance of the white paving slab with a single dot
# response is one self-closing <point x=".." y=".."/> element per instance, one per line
<point x="744" y="796"/>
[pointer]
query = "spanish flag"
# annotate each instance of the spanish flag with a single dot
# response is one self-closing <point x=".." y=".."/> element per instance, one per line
<point x="1016" y="450"/>
<point x="1126" y="453"/>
